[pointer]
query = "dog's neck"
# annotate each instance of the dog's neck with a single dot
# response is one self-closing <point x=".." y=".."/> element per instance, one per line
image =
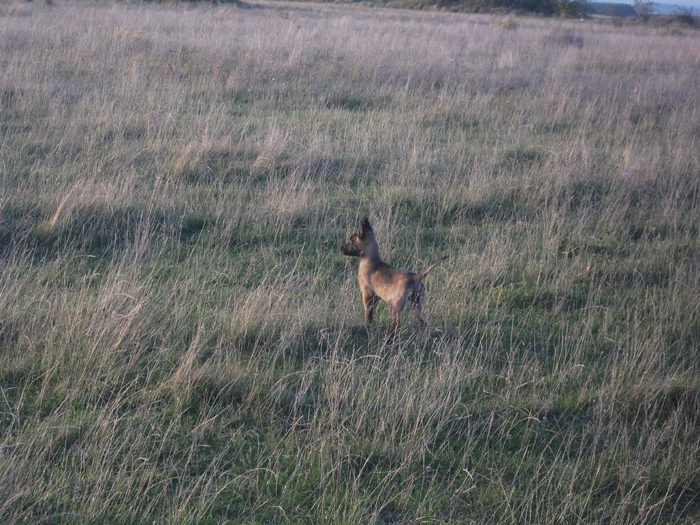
<point x="371" y="254"/>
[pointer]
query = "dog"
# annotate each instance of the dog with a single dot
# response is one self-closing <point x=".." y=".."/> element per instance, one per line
<point x="378" y="280"/>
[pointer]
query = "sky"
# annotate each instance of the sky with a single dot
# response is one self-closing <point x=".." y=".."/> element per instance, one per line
<point x="695" y="4"/>
<point x="687" y="3"/>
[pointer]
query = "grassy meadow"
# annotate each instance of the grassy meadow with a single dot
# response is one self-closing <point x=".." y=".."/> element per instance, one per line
<point x="181" y="340"/>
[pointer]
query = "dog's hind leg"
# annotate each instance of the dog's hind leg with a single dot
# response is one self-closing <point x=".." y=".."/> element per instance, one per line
<point x="396" y="308"/>
<point x="417" y="307"/>
<point x="419" y="315"/>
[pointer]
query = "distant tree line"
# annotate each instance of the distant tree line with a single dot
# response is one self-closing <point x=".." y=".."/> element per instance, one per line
<point x="543" y="7"/>
<point x="643" y="9"/>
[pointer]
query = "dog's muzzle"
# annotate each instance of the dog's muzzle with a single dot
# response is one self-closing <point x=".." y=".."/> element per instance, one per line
<point x="348" y="249"/>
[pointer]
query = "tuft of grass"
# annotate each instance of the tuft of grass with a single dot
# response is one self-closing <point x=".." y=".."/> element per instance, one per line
<point x="566" y="37"/>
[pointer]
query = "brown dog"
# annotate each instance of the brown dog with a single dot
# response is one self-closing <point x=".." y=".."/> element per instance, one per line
<point x="378" y="280"/>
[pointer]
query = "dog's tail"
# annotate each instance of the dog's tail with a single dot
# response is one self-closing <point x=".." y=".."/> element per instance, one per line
<point x="429" y="268"/>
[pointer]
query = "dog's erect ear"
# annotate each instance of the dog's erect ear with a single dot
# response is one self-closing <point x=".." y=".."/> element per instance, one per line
<point x="365" y="227"/>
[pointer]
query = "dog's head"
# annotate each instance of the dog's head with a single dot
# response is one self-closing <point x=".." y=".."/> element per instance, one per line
<point x="359" y="241"/>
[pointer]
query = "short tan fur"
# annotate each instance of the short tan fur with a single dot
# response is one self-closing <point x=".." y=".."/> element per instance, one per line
<point x="380" y="281"/>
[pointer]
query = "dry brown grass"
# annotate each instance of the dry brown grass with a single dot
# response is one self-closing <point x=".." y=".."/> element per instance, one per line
<point x="181" y="340"/>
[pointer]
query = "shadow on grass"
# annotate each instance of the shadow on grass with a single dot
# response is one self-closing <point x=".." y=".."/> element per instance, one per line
<point x="500" y="207"/>
<point x="91" y="229"/>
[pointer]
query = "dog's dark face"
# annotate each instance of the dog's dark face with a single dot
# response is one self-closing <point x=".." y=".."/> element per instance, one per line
<point x="355" y="247"/>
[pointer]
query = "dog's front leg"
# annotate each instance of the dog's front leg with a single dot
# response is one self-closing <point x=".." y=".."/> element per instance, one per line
<point x="370" y="302"/>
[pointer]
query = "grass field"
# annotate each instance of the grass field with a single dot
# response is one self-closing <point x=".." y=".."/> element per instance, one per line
<point x="181" y="340"/>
